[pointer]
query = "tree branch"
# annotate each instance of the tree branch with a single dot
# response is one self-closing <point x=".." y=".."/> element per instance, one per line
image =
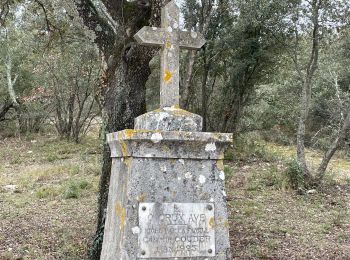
<point x="5" y="8"/>
<point x="105" y="34"/>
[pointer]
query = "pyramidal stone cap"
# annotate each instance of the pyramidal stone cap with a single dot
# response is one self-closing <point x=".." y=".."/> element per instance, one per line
<point x="169" y="119"/>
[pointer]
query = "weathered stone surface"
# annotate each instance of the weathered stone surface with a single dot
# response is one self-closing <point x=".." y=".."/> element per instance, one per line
<point x="171" y="39"/>
<point x="136" y="178"/>
<point x="170" y="119"/>
<point x="168" y="144"/>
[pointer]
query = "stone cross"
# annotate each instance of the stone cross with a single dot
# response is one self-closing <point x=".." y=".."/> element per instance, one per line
<point x="171" y="39"/>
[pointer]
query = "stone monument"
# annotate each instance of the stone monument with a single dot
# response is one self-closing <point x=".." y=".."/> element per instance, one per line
<point x="166" y="196"/>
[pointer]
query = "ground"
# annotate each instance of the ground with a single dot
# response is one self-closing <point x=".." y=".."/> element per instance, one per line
<point x="49" y="188"/>
<point x="50" y="213"/>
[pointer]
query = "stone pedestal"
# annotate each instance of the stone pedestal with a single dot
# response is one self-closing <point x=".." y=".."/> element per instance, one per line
<point x="166" y="197"/>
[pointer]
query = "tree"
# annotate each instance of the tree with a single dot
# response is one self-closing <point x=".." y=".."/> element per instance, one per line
<point x="73" y="87"/>
<point x="14" y="54"/>
<point x="126" y="70"/>
<point x="240" y="53"/>
<point x="320" y="12"/>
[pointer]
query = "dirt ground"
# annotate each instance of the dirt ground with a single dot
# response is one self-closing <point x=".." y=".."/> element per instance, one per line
<point x="270" y="222"/>
<point x="49" y="188"/>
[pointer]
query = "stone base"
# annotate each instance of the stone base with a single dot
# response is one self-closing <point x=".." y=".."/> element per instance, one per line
<point x="163" y="167"/>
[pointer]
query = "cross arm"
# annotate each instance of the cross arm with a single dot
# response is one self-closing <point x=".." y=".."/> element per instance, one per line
<point x="191" y="40"/>
<point x="150" y="36"/>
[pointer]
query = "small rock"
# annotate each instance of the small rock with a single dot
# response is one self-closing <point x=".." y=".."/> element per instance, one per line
<point x="311" y="191"/>
<point x="300" y="191"/>
<point x="10" y="188"/>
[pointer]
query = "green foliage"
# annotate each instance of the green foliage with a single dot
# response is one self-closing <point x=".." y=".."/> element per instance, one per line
<point x="229" y="172"/>
<point x="56" y="67"/>
<point x="250" y="147"/>
<point x="47" y="192"/>
<point x="73" y="189"/>
<point x="270" y="177"/>
<point x="295" y="174"/>
<point x="240" y="53"/>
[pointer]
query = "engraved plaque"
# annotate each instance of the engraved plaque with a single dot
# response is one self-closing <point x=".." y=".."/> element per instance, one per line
<point x="176" y="230"/>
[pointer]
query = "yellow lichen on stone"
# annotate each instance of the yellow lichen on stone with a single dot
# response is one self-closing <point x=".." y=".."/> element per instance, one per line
<point x="127" y="162"/>
<point x="129" y="133"/>
<point x="220" y="165"/>
<point x="167" y="76"/>
<point x="179" y="112"/>
<point x="166" y="148"/>
<point x="121" y="213"/>
<point x="173" y="161"/>
<point x="168" y="45"/>
<point x="226" y="224"/>
<point x="211" y="222"/>
<point x="123" y="148"/>
<point x="141" y="197"/>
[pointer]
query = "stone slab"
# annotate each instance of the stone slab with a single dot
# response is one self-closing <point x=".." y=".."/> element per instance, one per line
<point x="168" y="144"/>
<point x="176" y="230"/>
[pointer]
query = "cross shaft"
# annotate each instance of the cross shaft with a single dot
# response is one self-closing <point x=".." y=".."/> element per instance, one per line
<point x="170" y="39"/>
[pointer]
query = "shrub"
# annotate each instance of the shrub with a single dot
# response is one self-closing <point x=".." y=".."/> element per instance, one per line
<point x="228" y="172"/>
<point x="74" y="188"/>
<point x="268" y="178"/>
<point x="47" y="192"/>
<point x="250" y="147"/>
<point x="72" y="191"/>
<point x="295" y="174"/>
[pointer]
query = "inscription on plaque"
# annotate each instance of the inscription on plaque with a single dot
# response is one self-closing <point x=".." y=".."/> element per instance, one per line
<point x="176" y="230"/>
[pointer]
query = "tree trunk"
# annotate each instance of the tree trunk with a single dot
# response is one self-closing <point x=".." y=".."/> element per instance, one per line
<point x="233" y="114"/>
<point x="204" y="90"/>
<point x="70" y="115"/>
<point x="304" y="112"/>
<point x="337" y="142"/>
<point x="123" y="101"/>
<point x="4" y="109"/>
<point x="305" y="99"/>
<point x="126" y="73"/>
<point x="187" y="86"/>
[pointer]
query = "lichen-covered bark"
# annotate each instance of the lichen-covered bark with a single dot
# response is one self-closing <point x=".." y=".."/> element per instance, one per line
<point x="4" y="108"/>
<point x="186" y="85"/>
<point x="337" y="142"/>
<point x="306" y="92"/>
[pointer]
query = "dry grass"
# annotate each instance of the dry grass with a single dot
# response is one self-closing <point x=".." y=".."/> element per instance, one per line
<point x="51" y="213"/>
<point x="268" y="220"/>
